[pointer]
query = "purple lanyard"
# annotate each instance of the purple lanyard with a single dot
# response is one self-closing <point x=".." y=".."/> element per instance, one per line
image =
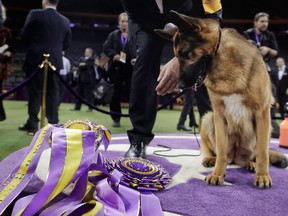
<point x="258" y="40"/>
<point x="123" y="40"/>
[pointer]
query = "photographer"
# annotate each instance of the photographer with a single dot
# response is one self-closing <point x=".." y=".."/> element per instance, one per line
<point x="264" y="39"/>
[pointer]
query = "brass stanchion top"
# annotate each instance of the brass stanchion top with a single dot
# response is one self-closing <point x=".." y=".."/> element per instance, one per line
<point x="46" y="57"/>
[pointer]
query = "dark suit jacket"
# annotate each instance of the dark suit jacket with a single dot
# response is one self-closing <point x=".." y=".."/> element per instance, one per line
<point x="268" y="39"/>
<point x="113" y="46"/>
<point x="46" y="31"/>
<point x="146" y="12"/>
<point x="283" y="83"/>
<point x="86" y="72"/>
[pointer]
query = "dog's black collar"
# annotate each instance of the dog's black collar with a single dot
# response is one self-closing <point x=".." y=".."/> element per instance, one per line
<point x="204" y="63"/>
<point x="219" y="40"/>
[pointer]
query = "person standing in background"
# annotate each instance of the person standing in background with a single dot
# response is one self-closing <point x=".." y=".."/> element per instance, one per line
<point x="86" y="79"/>
<point x="120" y="52"/>
<point x="45" y="31"/>
<point x="6" y="53"/>
<point x="282" y="84"/>
<point x="264" y="39"/>
<point x="64" y="74"/>
<point x="187" y="109"/>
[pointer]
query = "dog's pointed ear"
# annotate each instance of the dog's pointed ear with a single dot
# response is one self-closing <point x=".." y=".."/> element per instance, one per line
<point x="167" y="33"/>
<point x="185" y="23"/>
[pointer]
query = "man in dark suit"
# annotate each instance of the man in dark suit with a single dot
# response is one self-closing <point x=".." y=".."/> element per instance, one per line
<point x="120" y="51"/>
<point x="45" y="31"/>
<point x="282" y="84"/>
<point x="144" y="17"/>
<point x="86" y="78"/>
<point x="6" y="53"/>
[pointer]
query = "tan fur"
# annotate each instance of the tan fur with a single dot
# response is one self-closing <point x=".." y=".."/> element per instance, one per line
<point x="238" y="130"/>
<point x="239" y="78"/>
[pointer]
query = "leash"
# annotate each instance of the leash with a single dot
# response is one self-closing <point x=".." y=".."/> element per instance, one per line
<point x="167" y="149"/>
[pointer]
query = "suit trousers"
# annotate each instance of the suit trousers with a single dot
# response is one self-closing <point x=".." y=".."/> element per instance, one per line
<point x="143" y="97"/>
<point x="85" y="90"/>
<point x="122" y="81"/>
<point x="187" y="108"/>
<point x="35" y="88"/>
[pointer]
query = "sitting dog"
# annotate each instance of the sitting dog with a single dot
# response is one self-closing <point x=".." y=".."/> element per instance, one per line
<point x="238" y="130"/>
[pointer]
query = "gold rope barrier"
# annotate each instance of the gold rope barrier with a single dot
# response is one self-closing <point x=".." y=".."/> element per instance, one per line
<point x="46" y="64"/>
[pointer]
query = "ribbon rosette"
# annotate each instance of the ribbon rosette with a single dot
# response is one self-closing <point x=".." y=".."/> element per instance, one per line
<point x="128" y="188"/>
<point x="140" y="174"/>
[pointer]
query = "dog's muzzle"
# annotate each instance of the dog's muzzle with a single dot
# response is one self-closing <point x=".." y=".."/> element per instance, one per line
<point x="194" y="75"/>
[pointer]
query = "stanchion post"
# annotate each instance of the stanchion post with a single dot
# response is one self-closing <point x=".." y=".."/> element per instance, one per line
<point x="45" y="64"/>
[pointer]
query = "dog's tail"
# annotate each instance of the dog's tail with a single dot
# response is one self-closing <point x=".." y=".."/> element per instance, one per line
<point x="278" y="159"/>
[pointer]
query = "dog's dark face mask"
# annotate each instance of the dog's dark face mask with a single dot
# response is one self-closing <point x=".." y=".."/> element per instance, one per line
<point x="190" y="47"/>
<point x="193" y="73"/>
<point x="190" y="59"/>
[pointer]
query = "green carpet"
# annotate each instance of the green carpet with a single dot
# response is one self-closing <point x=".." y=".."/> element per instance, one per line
<point x="11" y="139"/>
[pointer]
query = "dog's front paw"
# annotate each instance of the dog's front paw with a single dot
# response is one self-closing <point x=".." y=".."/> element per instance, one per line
<point x="263" y="181"/>
<point x="213" y="179"/>
<point x="209" y="161"/>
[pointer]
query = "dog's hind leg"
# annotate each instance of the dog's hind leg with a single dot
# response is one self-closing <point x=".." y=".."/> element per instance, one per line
<point x="278" y="159"/>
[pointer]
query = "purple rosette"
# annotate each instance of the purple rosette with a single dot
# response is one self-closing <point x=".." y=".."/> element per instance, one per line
<point x="140" y="174"/>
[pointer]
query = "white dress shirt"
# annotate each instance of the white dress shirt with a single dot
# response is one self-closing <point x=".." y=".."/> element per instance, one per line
<point x="281" y="72"/>
<point x="66" y="66"/>
<point x="160" y="5"/>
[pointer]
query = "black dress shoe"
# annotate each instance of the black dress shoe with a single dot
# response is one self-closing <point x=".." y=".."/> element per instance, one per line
<point x="137" y="149"/>
<point x="182" y="127"/>
<point x="32" y="132"/>
<point x="26" y="127"/>
<point x="193" y="125"/>
<point x="116" y="124"/>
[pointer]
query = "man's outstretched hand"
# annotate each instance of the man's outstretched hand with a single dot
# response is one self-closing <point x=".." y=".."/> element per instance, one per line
<point x="168" y="77"/>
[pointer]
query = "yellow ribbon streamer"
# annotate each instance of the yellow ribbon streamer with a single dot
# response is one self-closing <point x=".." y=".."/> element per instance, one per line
<point x="24" y="166"/>
<point x="74" y="153"/>
<point x="97" y="207"/>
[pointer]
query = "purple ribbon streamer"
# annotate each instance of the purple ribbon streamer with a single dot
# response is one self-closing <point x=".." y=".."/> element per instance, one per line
<point x="150" y="205"/>
<point x="30" y="171"/>
<point x="21" y="204"/>
<point x="131" y="199"/>
<point x="72" y="200"/>
<point x="109" y="198"/>
<point x="57" y="162"/>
